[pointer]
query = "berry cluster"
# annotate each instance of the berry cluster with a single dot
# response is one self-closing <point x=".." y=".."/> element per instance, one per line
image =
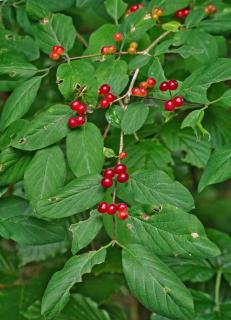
<point x="133" y="48"/>
<point x="176" y="102"/>
<point x="141" y="91"/>
<point x="134" y="8"/>
<point x="113" y="208"/>
<point x="210" y="9"/>
<point x="156" y="13"/>
<point x="81" y="110"/>
<point x="182" y="13"/>
<point x="119" y="170"/>
<point x="56" y="52"/>
<point x="106" y="50"/>
<point x="108" y="96"/>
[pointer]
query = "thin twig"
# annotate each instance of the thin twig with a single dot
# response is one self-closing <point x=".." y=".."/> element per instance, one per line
<point x="81" y="39"/>
<point x="106" y="131"/>
<point x="156" y="41"/>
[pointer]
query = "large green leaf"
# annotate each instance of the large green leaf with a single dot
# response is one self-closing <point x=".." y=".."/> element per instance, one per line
<point x="41" y="9"/>
<point x="79" y="195"/>
<point x="45" y="174"/>
<point x="134" y="117"/>
<point x="156" y="188"/>
<point x="115" y="8"/>
<point x="20" y="101"/>
<point x="85" y="150"/>
<point x="155" y="285"/>
<point x="15" y="70"/>
<point x="59" y="30"/>
<point x="57" y="292"/>
<point x="217" y="26"/>
<point x="85" y="231"/>
<point x="46" y="128"/>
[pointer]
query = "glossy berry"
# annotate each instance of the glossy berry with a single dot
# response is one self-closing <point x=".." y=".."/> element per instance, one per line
<point x="151" y="82"/>
<point x="104" y="89"/>
<point x="112" y="208"/>
<point x="178" y="101"/>
<point x="54" y="55"/>
<point x="75" y="104"/>
<point x="132" y="50"/>
<point x="122" y="177"/>
<point x="104" y="50"/>
<point x="143" y="92"/>
<point x="120" y="168"/>
<point x="102" y="207"/>
<point x="108" y="173"/>
<point x="123" y="155"/>
<point x="182" y="13"/>
<point x="164" y="86"/>
<point x="122" y="206"/>
<point x="123" y="215"/>
<point x="58" y="49"/>
<point x="81" y="109"/>
<point x="104" y="103"/>
<point x="172" y="84"/>
<point x="210" y="9"/>
<point x="143" y="84"/>
<point x="80" y="120"/>
<point x="169" y="105"/>
<point x="118" y="37"/>
<point x="134" y="8"/>
<point x="135" y="91"/>
<point x="106" y="182"/>
<point x="110" y="97"/>
<point x="72" y="123"/>
<point x="133" y="45"/>
<point x="111" y="49"/>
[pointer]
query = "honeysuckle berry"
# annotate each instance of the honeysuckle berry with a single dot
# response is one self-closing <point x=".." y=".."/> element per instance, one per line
<point x="123" y="155"/>
<point x="104" y="89"/>
<point x="106" y="182"/>
<point x="178" y="101"/>
<point x="182" y="13"/>
<point x="169" y="105"/>
<point x="132" y="50"/>
<point x="102" y="207"/>
<point x="80" y="120"/>
<point x="110" y="97"/>
<point x="104" y="50"/>
<point x="133" y="45"/>
<point x="72" y="123"/>
<point x="143" y="84"/>
<point x="75" y="104"/>
<point x="58" y="49"/>
<point x="135" y="91"/>
<point x="104" y="103"/>
<point x="143" y="92"/>
<point x="108" y="173"/>
<point x="210" y="9"/>
<point x="111" y="209"/>
<point x="108" y="50"/>
<point x="120" y="168"/>
<point x="156" y="13"/>
<point x="122" y="177"/>
<point x="164" y="86"/>
<point x="122" y="206"/>
<point x="118" y="37"/>
<point x="54" y="55"/>
<point x="172" y="84"/>
<point x="81" y="109"/>
<point x="151" y="82"/>
<point x="122" y="215"/>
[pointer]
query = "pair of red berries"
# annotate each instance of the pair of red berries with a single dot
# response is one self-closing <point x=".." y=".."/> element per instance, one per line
<point x="108" y="175"/>
<point x="176" y="102"/>
<point x="81" y="109"/>
<point x="169" y="85"/>
<point x="113" y="208"/>
<point x="182" y="13"/>
<point x="108" y="96"/>
<point x="56" y="52"/>
<point x="142" y="90"/>
<point x="134" y="8"/>
<point x="108" y="50"/>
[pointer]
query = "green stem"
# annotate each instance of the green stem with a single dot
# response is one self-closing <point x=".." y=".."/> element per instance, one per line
<point x="217" y="289"/>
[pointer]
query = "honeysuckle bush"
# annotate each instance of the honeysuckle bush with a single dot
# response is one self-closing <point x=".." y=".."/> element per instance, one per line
<point x="142" y="92"/>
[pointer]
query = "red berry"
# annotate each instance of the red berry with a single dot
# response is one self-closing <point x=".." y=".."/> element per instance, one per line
<point x="106" y="182"/>
<point x="169" y="105"/>
<point x="135" y="91"/>
<point x="58" y="49"/>
<point x="186" y="12"/>
<point x="104" y="103"/>
<point x="182" y="13"/>
<point x="81" y="109"/>
<point x="164" y="86"/>
<point x="143" y="84"/>
<point x="143" y="92"/>
<point x="151" y="82"/>
<point x="54" y="55"/>
<point x="72" y="123"/>
<point x="123" y="155"/>
<point x="123" y="215"/>
<point x="108" y="173"/>
<point x="104" y="89"/>
<point x="111" y="209"/>
<point x="122" y="177"/>
<point x="172" y="84"/>
<point x="134" y="8"/>
<point x="102" y="207"/>
<point x="122" y="206"/>
<point x="75" y="104"/>
<point x="120" y="168"/>
<point x="80" y="120"/>
<point x="110" y="97"/>
<point x="178" y="101"/>
<point x="118" y="37"/>
<point x="104" y="50"/>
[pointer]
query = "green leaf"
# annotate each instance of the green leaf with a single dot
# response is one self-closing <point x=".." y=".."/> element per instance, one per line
<point x="156" y="188"/>
<point x="155" y="285"/>
<point x="85" y="150"/>
<point x="16" y="70"/>
<point x="156" y="71"/>
<point x="195" y="17"/>
<point x="109" y="153"/>
<point x="115" y="8"/>
<point x="79" y="195"/>
<point x="194" y="120"/>
<point x="78" y="74"/>
<point x="46" y="128"/>
<point x="45" y="174"/>
<point x="41" y="9"/>
<point x="85" y="231"/>
<point x="172" y="26"/>
<point x="59" y="30"/>
<point x="218" y="168"/>
<point x="134" y="117"/>
<point x="13" y="164"/>
<point x="20" y="101"/>
<point x="139" y="62"/>
<point x="114" y="115"/>
<point x="217" y="26"/>
<point x="10" y="132"/>
<point x="57" y="292"/>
